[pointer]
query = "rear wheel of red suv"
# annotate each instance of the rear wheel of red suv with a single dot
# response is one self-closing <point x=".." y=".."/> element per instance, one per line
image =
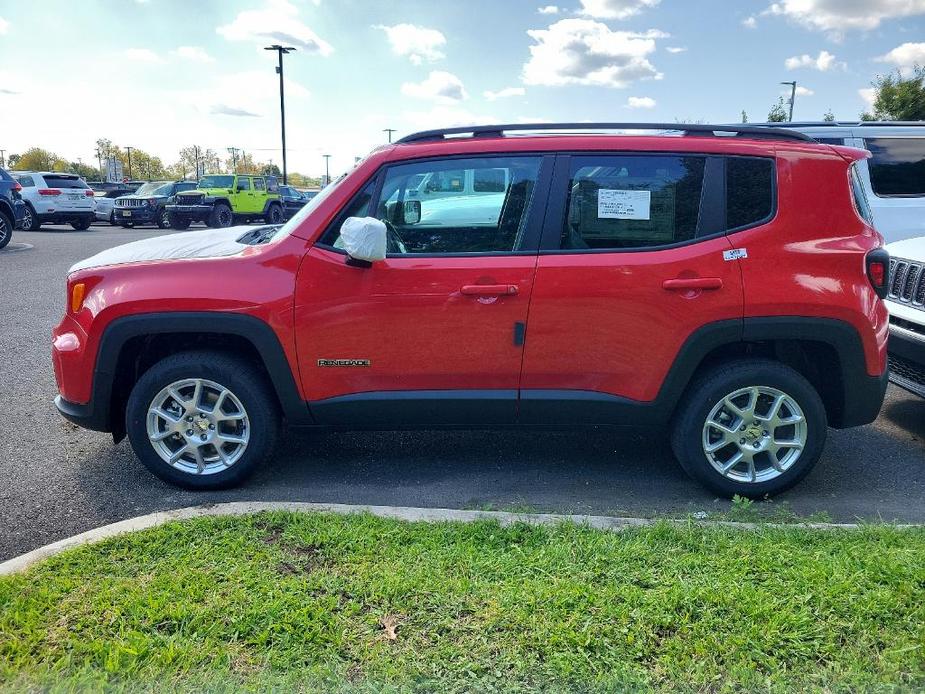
<point x="753" y="427"/>
<point x="202" y="420"/>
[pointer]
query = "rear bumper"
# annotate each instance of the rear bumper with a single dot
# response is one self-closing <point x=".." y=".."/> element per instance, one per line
<point x="907" y="359"/>
<point x="66" y="216"/>
<point x="863" y="400"/>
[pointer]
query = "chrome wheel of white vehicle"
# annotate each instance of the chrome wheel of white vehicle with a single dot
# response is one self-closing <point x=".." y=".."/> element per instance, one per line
<point x="754" y="434"/>
<point x="198" y="426"/>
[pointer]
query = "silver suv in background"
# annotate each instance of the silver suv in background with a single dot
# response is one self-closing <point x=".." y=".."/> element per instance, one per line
<point x="894" y="176"/>
<point x="55" y="198"/>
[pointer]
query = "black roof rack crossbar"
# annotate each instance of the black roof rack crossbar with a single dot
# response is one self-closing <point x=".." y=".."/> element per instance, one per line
<point x="685" y="128"/>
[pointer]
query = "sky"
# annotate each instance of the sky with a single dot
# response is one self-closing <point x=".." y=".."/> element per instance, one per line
<point x="163" y="74"/>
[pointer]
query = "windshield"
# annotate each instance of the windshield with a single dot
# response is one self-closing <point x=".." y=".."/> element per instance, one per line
<point x="216" y="182"/>
<point x="307" y="209"/>
<point x="155" y="188"/>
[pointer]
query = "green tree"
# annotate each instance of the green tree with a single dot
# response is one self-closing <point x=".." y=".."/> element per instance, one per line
<point x="86" y="172"/>
<point x="778" y="112"/>
<point x="828" y="116"/>
<point x="898" y="97"/>
<point x="35" y="159"/>
<point x="270" y="170"/>
<point x="744" y="116"/>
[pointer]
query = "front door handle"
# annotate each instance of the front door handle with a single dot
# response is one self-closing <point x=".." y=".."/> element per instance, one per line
<point x="489" y="289"/>
<point x="688" y="283"/>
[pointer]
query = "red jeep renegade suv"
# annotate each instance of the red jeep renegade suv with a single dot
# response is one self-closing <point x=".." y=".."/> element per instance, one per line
<point x="721" y="283"/>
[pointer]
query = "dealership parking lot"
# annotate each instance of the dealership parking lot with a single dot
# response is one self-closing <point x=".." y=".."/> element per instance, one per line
<point x="59" y="480"/>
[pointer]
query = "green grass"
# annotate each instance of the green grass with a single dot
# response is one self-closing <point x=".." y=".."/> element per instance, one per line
<point x="298" y="602"/>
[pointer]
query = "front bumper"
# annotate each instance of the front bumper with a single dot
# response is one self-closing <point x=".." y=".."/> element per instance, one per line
<point x="907" y="356"/>
<point x="84" y="416"/>
<point x="136" y="215"/>
<point x="190" y="211"/>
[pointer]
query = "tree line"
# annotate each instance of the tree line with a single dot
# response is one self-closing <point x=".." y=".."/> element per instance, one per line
<point x="139" y="164"/>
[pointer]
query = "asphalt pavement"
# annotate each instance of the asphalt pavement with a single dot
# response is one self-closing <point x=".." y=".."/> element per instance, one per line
<point x="57" y="480"/>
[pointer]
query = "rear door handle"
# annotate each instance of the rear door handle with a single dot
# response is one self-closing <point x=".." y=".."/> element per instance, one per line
<point x="489" y="289"/>
<point x="693" y="283"/>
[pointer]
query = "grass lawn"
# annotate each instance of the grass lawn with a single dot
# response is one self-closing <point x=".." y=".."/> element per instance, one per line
<point x="355" y="603"/>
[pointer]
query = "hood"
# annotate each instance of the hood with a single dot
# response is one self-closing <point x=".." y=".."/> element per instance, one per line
<point x="910" y="249"/>
<point x="213" y="243"/>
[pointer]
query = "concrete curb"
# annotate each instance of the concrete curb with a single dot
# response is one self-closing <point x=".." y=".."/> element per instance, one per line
<point x="405" y="513"/>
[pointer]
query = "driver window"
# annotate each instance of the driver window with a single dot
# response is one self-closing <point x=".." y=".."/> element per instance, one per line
<point x="244" y="184"/>
<point x="457" y="205"/>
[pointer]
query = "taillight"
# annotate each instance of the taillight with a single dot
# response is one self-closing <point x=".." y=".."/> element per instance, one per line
<point x="16" y="187"/>
<point x="49" y="191"/>
<point x="878" y="271"/>
<point x="78" y="292"/>
<point x="88" y="192"/>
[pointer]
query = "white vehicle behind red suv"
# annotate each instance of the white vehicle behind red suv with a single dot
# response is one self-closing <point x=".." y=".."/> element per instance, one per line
<point x="55" y="198"/>
<point x="906" y="303"/>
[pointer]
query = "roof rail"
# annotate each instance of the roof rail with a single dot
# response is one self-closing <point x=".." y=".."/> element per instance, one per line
<point x="757" y="131"/>
<point x="842" y="124"/>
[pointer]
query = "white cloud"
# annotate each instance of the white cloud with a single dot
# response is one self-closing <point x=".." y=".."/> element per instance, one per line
<point x="905" y="56"/>
<point x="801" y="91"/>
<point x="142" y="55"/>
<point x="548" y="9"/>
<point x="582" y="51"/>
<point x="195" y="53"/>
<point x="442" y="87"/>
<point x="836" y="16"/>
<point x="640" y="102"/>
<point x="868" y="95"/>
<point x="278" y="21"/>
<point x="676" y="49"/>
<point x="446" y="117"/>
<point x="4" y="25"/>
<point x="823" y="62"/>
<point x="750" y="23"/>
<point x="226" y="110"/>
<point x="504" y="93"/>
<point x="614" y="9"/>
<point x="418" y="43"/>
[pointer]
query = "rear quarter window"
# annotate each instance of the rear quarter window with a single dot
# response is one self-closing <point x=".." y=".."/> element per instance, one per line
<point x="897" y="166"/>
<point x="749" y="191"/>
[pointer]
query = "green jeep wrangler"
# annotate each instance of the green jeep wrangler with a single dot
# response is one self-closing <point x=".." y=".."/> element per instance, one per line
<point x="220" y="200"/>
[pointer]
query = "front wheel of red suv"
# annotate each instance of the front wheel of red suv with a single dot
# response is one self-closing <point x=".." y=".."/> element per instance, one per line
<point x="202" y="420"/>
<point x="752" y="428"/>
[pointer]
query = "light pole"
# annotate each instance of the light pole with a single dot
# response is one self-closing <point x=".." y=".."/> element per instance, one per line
<point x="389" y="131"/>
<point x="793" y="94"/>
<point x="282" y="97"/>
<point x="327" y="170"/>
<point x="129" y="150"/>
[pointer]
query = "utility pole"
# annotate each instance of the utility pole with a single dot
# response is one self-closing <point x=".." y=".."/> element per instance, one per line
<point x="196" y="155"/>
<point x="2" y="158"/>
<point x="389" y="131"/>
<point x="327" y="170"/>
<point x="793" y="95"/>
<point x="281" y="50"/>
<point x="129" y="150"/>
<point x="99" y="160"/>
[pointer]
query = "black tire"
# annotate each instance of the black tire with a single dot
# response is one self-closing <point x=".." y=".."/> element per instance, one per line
<point x="179" y="223"/>
<point x="274" y="215"/>
<point x="82" y="224"/>
<point x="31" y="221"/>
<point x="709" y="388"/>
<point x="127" y="225"/>
<point x="163" y="219"/>
<point x="221" y="216"/>
<point x="235" y="374"/>
<point x="6" y="230"/>
<point x="112" y="218"/>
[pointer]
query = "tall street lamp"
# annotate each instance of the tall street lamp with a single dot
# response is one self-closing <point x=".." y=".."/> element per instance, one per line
<point x="282" y="100"/>
<point x="793" y="94"/>
<point x="327" y="170"/>
<point x="129" y="150"/>
<point x="389" y="131"/>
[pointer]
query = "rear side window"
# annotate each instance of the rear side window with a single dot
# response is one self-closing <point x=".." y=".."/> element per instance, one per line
<point x="897" y="166"/>
<point x="632" y="201"/>
<point x="860" y="197"/>
<point x="749" y="191"/>
<point x="53" y="181"/>
<point x="26" y="181"/>
<point x="259" y="184"/>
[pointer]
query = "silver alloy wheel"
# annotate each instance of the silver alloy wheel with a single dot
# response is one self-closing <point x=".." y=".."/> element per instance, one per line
<point x="3" y="229"/>
<point x="754" y="434"/>
<point x="198" y="426"/>
<point x="26" y="222"/>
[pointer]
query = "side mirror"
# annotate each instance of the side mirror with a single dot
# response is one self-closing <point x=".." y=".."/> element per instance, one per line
<point x="364" y="239"/>
<point x="412" y="212"/>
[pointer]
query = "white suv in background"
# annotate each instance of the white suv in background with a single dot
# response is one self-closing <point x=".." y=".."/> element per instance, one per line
<point x="55" y="198"/>
<point x="906" y="302"/>
<point x="894" y="176"/>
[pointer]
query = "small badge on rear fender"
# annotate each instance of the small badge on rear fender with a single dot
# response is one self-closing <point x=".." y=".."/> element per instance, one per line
<point x="343" y="362"/>
<point x="735" y="254"/>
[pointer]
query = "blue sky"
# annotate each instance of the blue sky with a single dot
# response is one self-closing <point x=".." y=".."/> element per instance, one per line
<point x="163" y="74"/>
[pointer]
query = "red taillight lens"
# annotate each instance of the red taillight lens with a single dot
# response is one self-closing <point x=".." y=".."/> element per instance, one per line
<point x="49" y="191"/>
<point x="878" y="271"/>
<point x="17" y="187"/>
<point x="88" y="192"/>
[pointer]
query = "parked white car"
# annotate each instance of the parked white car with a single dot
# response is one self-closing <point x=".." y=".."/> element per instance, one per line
<point x="906" y="303"/>
<point x="55" y="198"/>
<point x="105" y="201"/>
<point x="894" y="176"/>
